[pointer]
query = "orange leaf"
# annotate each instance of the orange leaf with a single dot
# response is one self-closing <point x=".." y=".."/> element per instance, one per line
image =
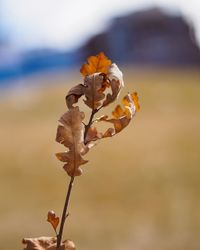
<point x="122" y="117"/>
<point x="99" y="63"/>
<point x="135" y="98"/>
<point x="118" y="112"/>
<point x="51" y="217"/>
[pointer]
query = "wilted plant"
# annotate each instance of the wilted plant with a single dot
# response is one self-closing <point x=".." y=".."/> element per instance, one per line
<point x="102" y="84"/>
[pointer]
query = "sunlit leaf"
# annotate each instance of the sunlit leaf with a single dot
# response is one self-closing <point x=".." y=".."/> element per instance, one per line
<point x="116" y="82"/>
<point x="122" y="116"/>
<point x="74" y="94"/>
<point x="134" y="97"/>
<point x="95" y="64"/>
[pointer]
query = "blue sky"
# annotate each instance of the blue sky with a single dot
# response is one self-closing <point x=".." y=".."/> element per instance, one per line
<point x="66" y="24"/>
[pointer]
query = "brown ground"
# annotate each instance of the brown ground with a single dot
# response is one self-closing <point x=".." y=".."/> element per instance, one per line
<point x="140" y="190"/>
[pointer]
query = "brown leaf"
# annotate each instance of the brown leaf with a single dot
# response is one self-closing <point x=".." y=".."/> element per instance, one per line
<point x="46" y="243"/>
<point x="92" y="135"/>
<point x="71" y="134"/>
<point x="99" y="63"/>
<point x="115" y="77"/>
<point x="69" y="245"/>
<point x="96" y="83"/>
<point x="122" y="117"/>
<point x="93" y="86"/>
<point x="74" y="94"/>
<point x="51" y="217"/>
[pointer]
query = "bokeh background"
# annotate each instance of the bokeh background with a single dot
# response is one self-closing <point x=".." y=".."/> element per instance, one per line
<point x="140" y="189"/>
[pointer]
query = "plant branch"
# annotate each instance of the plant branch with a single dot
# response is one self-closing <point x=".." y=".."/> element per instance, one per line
<point x="64" y="214"/>
<point x="69" y="189"/>
<point x="94" y="111"/>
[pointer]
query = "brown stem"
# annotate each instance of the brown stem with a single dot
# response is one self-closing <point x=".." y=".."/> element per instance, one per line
<point x="64" y="214"/>
<point x="94" y="111"/>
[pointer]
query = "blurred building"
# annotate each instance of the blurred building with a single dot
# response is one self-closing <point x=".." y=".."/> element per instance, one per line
<point x="148" y="37"/>
<point x="151" y="37"/>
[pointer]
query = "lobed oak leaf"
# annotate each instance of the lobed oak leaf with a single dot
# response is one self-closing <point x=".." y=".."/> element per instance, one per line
<point x="46" y="243"/>
<point x="71" y="160"/>
<point x="98" y="63"/>
<point x="71" y="134"/>
<point x="122" y="117"/>
<point x="74" y="94"/>
<point x="51" y="217"/>
<point x="101" y="74"/>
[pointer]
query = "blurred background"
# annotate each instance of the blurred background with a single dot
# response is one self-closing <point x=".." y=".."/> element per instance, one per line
<point x="140" y="189"/>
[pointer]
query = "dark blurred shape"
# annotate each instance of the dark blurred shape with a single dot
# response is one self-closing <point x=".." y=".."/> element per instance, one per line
<point x="147" y="37"/>
<point x="150" y="37"/>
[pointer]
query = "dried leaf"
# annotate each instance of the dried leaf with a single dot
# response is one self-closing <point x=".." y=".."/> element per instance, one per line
<point x="71" y="134"/>
<point x="134" y="97"/>
<point x="99" y="63"/>
<point x="122" y="117"/>
<point x="115" y="77"/>
<point x="92" y="135"/>
<point x="93" y="86"/>
<point x="95" y="83"/>
<point x="46" y="243"/>
<point x="69" y="245"/>
<point x="51" y="217"/>
<point x="74" y="94"/>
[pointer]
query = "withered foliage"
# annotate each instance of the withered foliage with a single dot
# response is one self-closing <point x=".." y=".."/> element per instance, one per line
<point x="71" y="134"/>
<point x="101" y="86"/>
<point x="51" y="218"/>
<point x="46" y="243"/>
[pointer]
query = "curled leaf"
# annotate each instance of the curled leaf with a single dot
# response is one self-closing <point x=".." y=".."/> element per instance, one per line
<point x="74" y="94"/>
<point x="92" y="135"/>
<point x="135" y="99"/>
<point x="51" y="218"/>
<point x="115" y="77"/>
<point x="99" y="63"/>
<point x="99" y="74"/>
<point x="71" y="134"/>
<point x="46" y="243"/>
<point x="122" y="117"/>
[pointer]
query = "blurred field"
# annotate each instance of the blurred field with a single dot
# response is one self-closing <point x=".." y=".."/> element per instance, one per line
<point x="140" y="190"/>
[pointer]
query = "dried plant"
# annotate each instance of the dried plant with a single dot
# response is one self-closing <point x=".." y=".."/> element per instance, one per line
<point x="101" y="86"/>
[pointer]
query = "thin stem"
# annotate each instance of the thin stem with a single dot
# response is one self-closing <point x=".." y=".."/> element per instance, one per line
<point x="94" y="111"/>
<point x="64" y="214"/>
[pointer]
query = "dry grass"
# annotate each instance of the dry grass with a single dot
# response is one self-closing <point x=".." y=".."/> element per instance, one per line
<point x="140" y="189"/>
